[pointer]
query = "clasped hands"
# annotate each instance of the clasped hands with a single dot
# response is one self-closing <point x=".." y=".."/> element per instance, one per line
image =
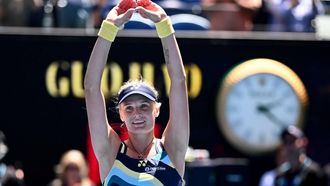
<point x="123" y="12"/>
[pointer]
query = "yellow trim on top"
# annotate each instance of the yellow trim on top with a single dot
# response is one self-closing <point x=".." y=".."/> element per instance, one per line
<point x="138" y="176"/>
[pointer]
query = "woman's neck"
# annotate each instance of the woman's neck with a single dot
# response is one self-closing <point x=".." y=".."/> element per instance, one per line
<point x="140" y="143"/>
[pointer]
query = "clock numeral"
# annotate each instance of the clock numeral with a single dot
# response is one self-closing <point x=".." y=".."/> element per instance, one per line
<point x="233" y="108"/>
<point x="291" y="109"/>
<point x="236" y="93"/>
<point x="247" y="134"/>
<point x="276" y="83"/>
<point x="288" y="93"/>
<point x="262" y="81"/>
<point x="276" y="133"/>
<point x="262" y="139"/>
<point x="236" y="123"/>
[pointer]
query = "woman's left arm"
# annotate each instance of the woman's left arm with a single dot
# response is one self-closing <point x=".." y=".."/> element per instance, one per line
<point x="176" y="133"/>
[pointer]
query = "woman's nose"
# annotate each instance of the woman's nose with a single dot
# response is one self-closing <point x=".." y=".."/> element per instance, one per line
<point x="137" y="111"/>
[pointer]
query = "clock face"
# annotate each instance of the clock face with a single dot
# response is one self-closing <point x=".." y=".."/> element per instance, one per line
<point x="256" y="107"/>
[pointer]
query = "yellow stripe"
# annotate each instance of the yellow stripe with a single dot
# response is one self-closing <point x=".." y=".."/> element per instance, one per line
<point x="138" y="176"/>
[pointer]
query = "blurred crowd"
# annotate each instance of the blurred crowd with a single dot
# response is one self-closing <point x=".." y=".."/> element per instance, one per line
<point x="71" y="170"/>
<point x="10" y="175"/>
<point x="230" y="15"/>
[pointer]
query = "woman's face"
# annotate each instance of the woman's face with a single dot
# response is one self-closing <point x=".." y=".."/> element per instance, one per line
<point x="72" y="174"/>
<point x="293" y="147"/>
<point x="138" y="113"/>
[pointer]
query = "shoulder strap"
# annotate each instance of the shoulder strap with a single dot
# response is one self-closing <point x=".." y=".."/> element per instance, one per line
<point x="158" y="146"/>
<point x="122" y="148"/>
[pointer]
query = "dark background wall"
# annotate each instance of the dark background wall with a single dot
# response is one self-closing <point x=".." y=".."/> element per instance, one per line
<point x="40" y="126"/>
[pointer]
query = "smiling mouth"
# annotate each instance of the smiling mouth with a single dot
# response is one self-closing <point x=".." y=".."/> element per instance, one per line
<point x="138" y="124"/>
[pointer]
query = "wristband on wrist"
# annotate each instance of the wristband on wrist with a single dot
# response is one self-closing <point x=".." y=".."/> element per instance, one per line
<point x="164" y="27"/>
<point x="108" y="31"/>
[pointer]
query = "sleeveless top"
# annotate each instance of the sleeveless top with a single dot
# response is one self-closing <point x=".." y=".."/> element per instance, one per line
<point x="155" y="171"/>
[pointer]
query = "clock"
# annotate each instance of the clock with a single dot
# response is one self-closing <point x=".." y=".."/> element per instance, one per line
<point x="257" y="100"/>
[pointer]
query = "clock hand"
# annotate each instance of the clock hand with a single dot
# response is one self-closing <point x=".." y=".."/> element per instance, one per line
<point x="265" y="110"/>
<point x="273" y="104"/>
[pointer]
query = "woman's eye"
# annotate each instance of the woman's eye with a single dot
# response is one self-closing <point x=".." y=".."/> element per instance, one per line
<point x="129" y="109"/>
<point x="145" y="107"/>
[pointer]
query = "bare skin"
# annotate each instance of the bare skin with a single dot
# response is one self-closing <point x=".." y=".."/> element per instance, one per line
<point x="137" y="112"/>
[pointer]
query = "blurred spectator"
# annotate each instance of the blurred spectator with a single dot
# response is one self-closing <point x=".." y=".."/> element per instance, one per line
<point x="36" y="13"/>
<point x="101" y="9"/>
<point x="22" y="12"/>
<point x="15" y="12"/>
<point x="96" y="13"/>
<point x="235" y="15"/>
<point x="327" y="172"/>
<point x="296" y="168"/>
<point x="75" y="13"/>
<point x="72" y="170"/>
<point x="268" y="178"/>
<point x="293" y="15"/>
<point x="47" y="13"/>
<point x="9" y="175"/>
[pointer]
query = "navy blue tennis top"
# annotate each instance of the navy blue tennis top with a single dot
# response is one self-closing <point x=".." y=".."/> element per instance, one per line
<point x="155" y="171"/>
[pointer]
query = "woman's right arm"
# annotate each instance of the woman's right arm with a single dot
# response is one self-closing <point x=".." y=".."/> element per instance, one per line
<point x="102" y="135"/>
<point x="105" y="140"/>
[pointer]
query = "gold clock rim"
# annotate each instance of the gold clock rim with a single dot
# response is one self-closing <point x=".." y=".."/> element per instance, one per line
<point x="244" y="70"/>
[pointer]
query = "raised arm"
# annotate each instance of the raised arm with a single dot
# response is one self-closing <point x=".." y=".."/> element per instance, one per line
<point x="105" y="141"/>
<point x="176" y="133"/>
